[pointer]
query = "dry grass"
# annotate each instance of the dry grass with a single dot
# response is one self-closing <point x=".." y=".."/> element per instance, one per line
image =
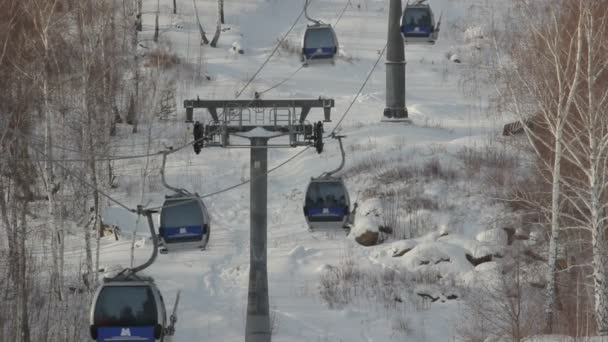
<point x="161" y="58"/>
<point x="289" y="47"/>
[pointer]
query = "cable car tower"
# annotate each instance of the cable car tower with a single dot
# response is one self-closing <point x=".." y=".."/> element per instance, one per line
<point x="259" y="121"/>
<point x="414" y="25"/>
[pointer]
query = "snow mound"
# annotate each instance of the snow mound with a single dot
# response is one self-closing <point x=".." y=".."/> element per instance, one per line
<point x="474" y="248"/>
<point x="495" y="236"/>
<point x="399" y="248"/>
<point x="487" y="273"/>
<point x="301" y="252"/>
<point x="443" y="257"/>
<point x="560" y="338"/>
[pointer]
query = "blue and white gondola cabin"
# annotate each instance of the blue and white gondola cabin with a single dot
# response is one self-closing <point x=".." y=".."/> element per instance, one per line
<point x="327" y="203"/>
<point x="319" y="42"/>
<point x="184" y="223"/>
<point x="418" y="24"/>
<point x="128" y="310"/>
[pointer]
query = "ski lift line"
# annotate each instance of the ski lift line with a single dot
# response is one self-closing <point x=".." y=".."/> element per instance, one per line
<point x="107" y="158"/>
<point x="83" y="181"/>
<point x="271" y="54"/>
<point x="111" y="146"/>
<point x="341" y="14"/>
<point x="283" y="81"/>
<point x="287" y="78"/>
<point x="194" y="198"/>
<point x="352" y="102"/>
<point x="166" y="128"/>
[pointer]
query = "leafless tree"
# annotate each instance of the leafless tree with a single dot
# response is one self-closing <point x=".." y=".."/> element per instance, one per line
<point x="204" y="40"/>
<point x="218" y="25"/>
<point x="540" y="84"/>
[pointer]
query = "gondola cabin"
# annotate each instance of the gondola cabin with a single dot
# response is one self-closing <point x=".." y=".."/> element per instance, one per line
<point x="327" y="204"/>
<point x="184" y="223"/>
<point x="319" y="42"/>
<point x="418" y="24"/>
<point x="128" y="310"/>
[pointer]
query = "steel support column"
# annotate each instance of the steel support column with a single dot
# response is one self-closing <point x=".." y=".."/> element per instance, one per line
<point x="395" y="65"/>
<point x="257" y="326"/>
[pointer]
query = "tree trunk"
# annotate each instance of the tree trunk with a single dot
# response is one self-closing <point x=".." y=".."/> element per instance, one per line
<point x="600" y="260"/>
<point x="218" y="26"/>
<point x="204" y="40"/>
<point x="56" y="236"/>
<point x="156" y="21"/>
<point x="222" y="11"/>
<point x="550" y="306"/>
<point x="174" y="6"/>
<point x="22" y="284"/>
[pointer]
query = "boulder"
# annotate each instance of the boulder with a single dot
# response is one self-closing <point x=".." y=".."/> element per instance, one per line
<point x="497" y="237"/>
<point x="368" y="238"/>
<point x="478" y="261"/>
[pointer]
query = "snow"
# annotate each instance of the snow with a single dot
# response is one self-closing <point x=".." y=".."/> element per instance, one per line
<point x="259" y="132"/>
<point x="214" y="282"/>
<point x="493" y="236"/>
<point x="125" y="220"/>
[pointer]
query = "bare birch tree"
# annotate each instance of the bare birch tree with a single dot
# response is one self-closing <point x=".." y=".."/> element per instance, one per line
<point x="587" y="151"/>
<point x="204" y="40"/>
<point x="541" y="83"/>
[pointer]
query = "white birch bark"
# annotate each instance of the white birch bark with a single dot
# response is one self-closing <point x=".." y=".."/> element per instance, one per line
<point x="526" y="88"/>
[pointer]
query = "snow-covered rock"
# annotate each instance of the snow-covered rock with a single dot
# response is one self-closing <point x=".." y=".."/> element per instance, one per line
<point x="442" y="257"/>
<point x="399" y="248"/>
<point x="366" y="230"/>
<point x="496" y="236"/>
<point x="236" y="48"/>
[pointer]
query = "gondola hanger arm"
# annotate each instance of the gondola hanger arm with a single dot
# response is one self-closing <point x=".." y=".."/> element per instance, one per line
<point x="148" y="213"/>
<point x="342" y="153"/>
<point x="317" y="22"/>
<point x="164" y="180"/>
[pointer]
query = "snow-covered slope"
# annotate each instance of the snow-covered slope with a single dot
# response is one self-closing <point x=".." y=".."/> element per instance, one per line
<point x="300" y="263"/>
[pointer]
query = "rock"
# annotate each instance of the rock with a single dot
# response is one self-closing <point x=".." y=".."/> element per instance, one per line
<point x="437" y="296"/>
<point x="478" y="261"/>
<point x="510" y="235"/>
<point x="455" y="58"/>
<point x="497" y="237"/>
<point x="386" y="230"/>
<point x="368" y="238"/>
<point x="236" y="48"/>
<point x="428" y="296"/>
<point x="534" y="256"/>
<point x="521" y="234"/>
<point x="442" y="260"/>
<point x="399" y="248"/>
<point x="401" y="252"/>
